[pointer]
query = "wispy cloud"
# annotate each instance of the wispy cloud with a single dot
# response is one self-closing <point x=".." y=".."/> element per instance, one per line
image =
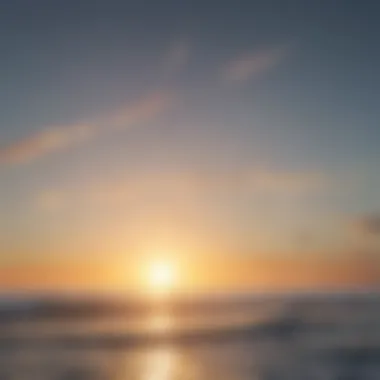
<point x="259" y="180"/>
<point x="140" y="111"/>
<point x="44" y="142"/>
<point x="288" y="181"/>
<point x="56" y="138"/>
<point x="178" y="188"/>
<point x="253" y="64"/>
<point x="369" y="224"/>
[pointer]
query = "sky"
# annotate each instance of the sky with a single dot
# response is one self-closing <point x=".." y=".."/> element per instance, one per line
<point x="236" y="136"/>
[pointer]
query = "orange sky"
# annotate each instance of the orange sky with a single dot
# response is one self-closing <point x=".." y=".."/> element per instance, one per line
<point x="211" y="274"/>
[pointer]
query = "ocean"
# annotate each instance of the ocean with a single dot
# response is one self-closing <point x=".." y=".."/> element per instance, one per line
<point x="292" y="337"/>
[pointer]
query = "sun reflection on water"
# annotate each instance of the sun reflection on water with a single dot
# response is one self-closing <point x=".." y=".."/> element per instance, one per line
<point x="166" y="361"/>
<point x="161" y="323"/>
<point x="161" y="364"/>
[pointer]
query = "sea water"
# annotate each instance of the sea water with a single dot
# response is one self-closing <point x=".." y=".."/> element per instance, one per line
<point x="323" y="337"/>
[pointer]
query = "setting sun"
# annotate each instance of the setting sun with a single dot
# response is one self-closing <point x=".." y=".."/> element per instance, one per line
<point x="161" y="276"/>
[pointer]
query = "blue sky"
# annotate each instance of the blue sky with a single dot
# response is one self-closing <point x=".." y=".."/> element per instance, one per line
<point x="245" y="128"/>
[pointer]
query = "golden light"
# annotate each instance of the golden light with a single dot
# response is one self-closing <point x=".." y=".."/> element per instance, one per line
<point x="161" y="276"/>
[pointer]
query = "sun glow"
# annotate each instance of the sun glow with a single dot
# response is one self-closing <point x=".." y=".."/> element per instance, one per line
<point x="161" y="276"/>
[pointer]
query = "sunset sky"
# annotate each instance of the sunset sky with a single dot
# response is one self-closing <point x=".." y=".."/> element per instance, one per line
<point x="239" y="141"/>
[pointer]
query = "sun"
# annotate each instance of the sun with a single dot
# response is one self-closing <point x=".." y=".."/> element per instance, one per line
<point x="161" y="276"/>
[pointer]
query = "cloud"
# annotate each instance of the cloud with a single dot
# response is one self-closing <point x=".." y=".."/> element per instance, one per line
<point x="56" y="138"/>
<point x="176" y="188"/>
<point x="251" y="65"/>
<point x="294" y="182"/>
<point x="46" y="141"/>
<point x="198" y="183"/>
<point x="141" y="111"/>
<point x="262" y="180"/>
<point x="369" y="224"/>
